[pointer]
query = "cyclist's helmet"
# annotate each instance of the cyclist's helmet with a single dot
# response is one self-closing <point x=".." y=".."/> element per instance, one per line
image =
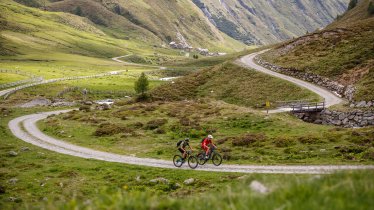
<point x="187" y="139"/>
<point x="210" y="137"/>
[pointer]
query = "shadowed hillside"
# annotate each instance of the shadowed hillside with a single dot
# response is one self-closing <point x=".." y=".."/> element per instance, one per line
<point x="265" y="22"/>
<point x="344" y="51"/>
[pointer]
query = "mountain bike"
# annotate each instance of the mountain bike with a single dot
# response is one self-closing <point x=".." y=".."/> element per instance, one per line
<point x="191" y="159"/>
<point x="213" y="155"/>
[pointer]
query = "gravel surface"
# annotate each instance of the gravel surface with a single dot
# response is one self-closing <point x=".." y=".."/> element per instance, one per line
<point x="25" y="129"/>
<point x="330" y="98"/>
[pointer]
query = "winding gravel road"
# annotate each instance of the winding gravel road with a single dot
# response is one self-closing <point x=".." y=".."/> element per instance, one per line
<point x="330" y="98"/>
<point x="25" y="129"/>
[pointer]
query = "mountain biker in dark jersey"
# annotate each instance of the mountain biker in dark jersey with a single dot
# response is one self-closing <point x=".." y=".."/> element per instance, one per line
<point x="206" y="143"/>
<point x="182" y="147"/>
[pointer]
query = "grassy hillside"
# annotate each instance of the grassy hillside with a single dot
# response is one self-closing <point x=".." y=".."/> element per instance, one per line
<point x="349" y="190"/>
<point x="154" y="22"/>
<point x="343" y="51"/>
<point x="233" y="84"/>
<point x="265" y="22"/>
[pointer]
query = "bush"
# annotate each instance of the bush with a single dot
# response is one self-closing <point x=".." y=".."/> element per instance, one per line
<point x="248" y="139"/>
<point x="85" y="108"/>
<point x="352" y="4"/>
<point x="284" y="142"/>
<point x="108" y="129"/>
<point x="153" y="124"/>
<point x="309" y="140"/>
<point x="137" y="125"/>
<point x="371" y="8"/>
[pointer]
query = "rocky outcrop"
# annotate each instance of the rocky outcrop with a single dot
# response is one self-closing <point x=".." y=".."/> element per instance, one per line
<point x="350" y="119"/>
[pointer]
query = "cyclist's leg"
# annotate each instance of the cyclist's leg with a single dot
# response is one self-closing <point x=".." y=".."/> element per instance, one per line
<point x="183" y="152"/>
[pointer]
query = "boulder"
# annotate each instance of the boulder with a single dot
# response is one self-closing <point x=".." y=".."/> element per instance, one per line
<point x="361" y="104"/>
<point x="24" y="149"/>
<point x="12" y="153"/>
<point x="189" y="181"/>
<point x="258" y="187"/>
<point x="13" y="181"/>
<point x="159" y="181"/>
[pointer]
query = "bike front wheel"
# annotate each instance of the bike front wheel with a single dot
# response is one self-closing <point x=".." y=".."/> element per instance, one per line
<point x="217" y="159"/>
<point x="178" y="161"/>
<point x="201" y="158"/>
<point x="192" y="162"/>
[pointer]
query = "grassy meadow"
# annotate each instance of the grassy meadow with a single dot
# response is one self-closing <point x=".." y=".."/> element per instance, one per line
<point x="243" y="135"/>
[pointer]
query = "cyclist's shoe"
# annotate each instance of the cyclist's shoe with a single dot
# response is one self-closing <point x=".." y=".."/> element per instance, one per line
<point x="183" y="160"/>
<point x="206" y="157"/>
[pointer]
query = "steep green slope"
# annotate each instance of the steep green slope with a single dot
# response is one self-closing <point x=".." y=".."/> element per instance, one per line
<point x="343" y="51"/>
<point x="155" y="22"/>
<point x="233" y="84"/>
<point x="267" y="22"/>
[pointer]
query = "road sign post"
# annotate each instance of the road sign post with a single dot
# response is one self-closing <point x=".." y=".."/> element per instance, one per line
<point x="267" y="107"/>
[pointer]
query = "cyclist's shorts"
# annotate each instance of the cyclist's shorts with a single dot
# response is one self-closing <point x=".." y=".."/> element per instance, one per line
<point x="181" y="150"/>
<point x="205" y="147"/>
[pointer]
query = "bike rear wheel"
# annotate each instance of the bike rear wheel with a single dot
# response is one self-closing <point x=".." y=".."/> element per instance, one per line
<point x="192" y="162"/>
<point x="217" y="159"/>
<point x="178" y="161"/>
<point x="201" y="158"/>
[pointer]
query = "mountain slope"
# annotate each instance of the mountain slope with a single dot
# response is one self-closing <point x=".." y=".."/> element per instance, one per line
<point x="156" y="22"/>
<point x="343" y="51"/>
<point x="265" y="22"/>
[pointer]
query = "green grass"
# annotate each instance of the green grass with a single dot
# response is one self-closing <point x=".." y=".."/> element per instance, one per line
<point x="9" y="77"/>
<point x="233" y="84"/>
<point x="82" y="178"/>
<point x="349" y="190"/>
<point x="49" y="180"/>
<point x="244" y="136"/>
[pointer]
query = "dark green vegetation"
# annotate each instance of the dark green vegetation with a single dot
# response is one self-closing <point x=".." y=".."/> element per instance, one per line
<point x="344" y="51"/>
<point x="233" y="84"/>
<point x="242" y="135"/>
<point x="142" y="84"/>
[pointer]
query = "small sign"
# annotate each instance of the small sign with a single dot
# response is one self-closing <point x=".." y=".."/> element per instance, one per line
<point x="267" y="103"/>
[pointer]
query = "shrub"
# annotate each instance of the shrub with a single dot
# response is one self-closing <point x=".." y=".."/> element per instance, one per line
<point x="283" y="142"/>
<point x="85" y="108"/>
<point x="159" y="131"/>
<point x="153" y="124"/>
<point x="107" y="129"/>
<point x="371" y="8"/>
<point x="137" y="125"/>
<point x="248" y="139"/>
<point x="352" y="4"/>
<point x="309" y="140"/>
<point x="222" y="141"/>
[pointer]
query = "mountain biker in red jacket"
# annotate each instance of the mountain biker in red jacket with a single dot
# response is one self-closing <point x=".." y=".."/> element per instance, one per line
<point x="206" y="144"/>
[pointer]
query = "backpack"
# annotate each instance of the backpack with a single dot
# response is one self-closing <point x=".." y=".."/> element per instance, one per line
<point x="179" y="143"/>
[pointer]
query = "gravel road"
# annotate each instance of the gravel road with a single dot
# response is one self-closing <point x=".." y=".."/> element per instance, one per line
<point x="330" y="98"/>
<point x="25" y="129"/>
